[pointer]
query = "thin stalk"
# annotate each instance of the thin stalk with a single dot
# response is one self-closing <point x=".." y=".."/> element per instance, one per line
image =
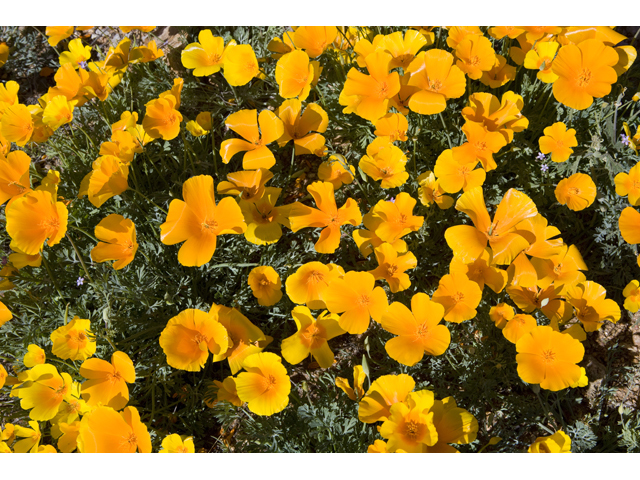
<point x="150" y="201"/>
<point x="84" y="266"/>
<point x="444" y="125"/>
<point x="53" y="279"/>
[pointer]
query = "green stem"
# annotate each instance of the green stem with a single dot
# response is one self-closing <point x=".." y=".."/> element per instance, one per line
<point x="53" y="279"/>
<point x="444" y="125"/>
<point x="84" y="266"/>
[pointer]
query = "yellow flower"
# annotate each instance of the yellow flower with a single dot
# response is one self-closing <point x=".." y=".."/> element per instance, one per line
<point x="74" y="341"/>
<point x="576" y="192"/>
<point x="5" y="314"/>
<point x="106" y="431"/>
<point x="265" y="285"/>
<point x="632" y="296"/>
<point x="107" y="382"/>
<point x="119" y="241"/>
<point x="559" y="442"/>
<point x="162" y="119"/>
<point x="294" y="74"/>
<point x="263" y="218"/>
<point x="58" y="112"/>
<point x="77" y="54"/>
<point x="108" y="178"/>
<point x="355" y="393"/>
<point x="337" y="171"/>
<point x="312" y="337"/>
<point x="240" y="64"/>
<point x="43" y="392"/>
<point x="410" y="424"/>
<point x="34" y="356"/>
<point x="265" y="385"/>
<point x="309" y="283"/>
<point x="418" y="330"/>
<point x="201" y="125"/>
<point x="207" y="56"/>
<point x="391" y="267"/>
<point x="558" y="141"/>
<point x="190" y="336"/>
<point x="177" y="444"/>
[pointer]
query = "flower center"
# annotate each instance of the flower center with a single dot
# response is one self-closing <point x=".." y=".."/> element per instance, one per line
<point x="209" y="226"/>
<point x="315" y="277"/>
<point x="480" y="145"/>
<point x="114" y="377"/>
<point x="269" y="382"/>
<point x="548" y="356"/>
<point x="264" y="282"/>
<point x="458" y="297"/>
<point x="584" y="78"/>
<point x="131" y="439"/>
<point x="574" y="191"/>
<point x="391" y="270"/>
<point x="383" y="91"/>
<point x="558" y="268"/>
<point x="363" y="301"/>
<point x="435" y="85"/>
<point x="463" y="170"/>
<point x="422" y="330"/>
<point x="411" y="430"/>
<point x="474" y="61"/>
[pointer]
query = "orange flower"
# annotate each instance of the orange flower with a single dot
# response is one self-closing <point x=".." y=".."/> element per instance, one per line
<point x="388" y="165"/>
<point x="294" y="74"/>
<point x="497" y="115"/>
<point x="559" y="442"/>
<point x="225" y="391"/>
<point x="265" y="285"/>
<point x="632" y="296"/>
<point x="410" y="425"/>
<point x="481" y="144"/>
<point x="36" y="218"/>
<point x="392" y="266"/>
<point x="397" y="218"/>
<point x="207" y="56"/>
<point x="4" y="53"/>
<point x="263" y="218"/>
<point x="540" y="58"/>
<point x="108" y="178"/>
<point x="14" y="175"/>
<point x="419" y="330"/>
<point x="626" y="184"/>
<point x="337" y="171"/>
<point x="74" y="341"/>
<point x="436" y="79"/>
<point x="119" y="233"/>
<point x="562" y="269"/>
<point x="355" y="393"/>
<point x="501" y="314"/>
<point x="459" y="296"/>
<point x="431" y="191"/>
<point x="201" y="125"/>
<point x="162" y="119"/>
<point x="146" y="53"/>
<point x="392" y="125"/>
<point x="312" y="337"/>
<point x="539" y="235"/>
<point x="190" y="336"/>
<point x="457" y="34"/>
<point x="629" y="225"/>
<point x="368" y="95"/>
<point x="585" y="71"/>
<point x="592" y="308"/>
<point x="303" y="128"/>
<point x="57" y="34"/>
<point x="475" y="55"/>
<point x="327" y="216"/>
<point x="403" y="50"/>
<point x="240" y="64"/>
<point x="58" y="112"/>
<point x="519" y="326"/>
<point x="43" y="391"/>
<point x="265" y="385"/>
<point x="249" y="184"/>
<point x="558" y="141"/>
<point x="453" y="424"/>
<point x="358" y="300"/>
<point x="245" y="124"/>
<point x="481" y="271"/>
<point x="455" y="171"/>
<point x="34" y="356"/>
<point x="177" y="444"/>
<point x="468" y="242"/>
<point x="310" y="282"/>
<point x="383" y="393"/>
<point x="107" y="382"/>
<point x="576" y="192"/>
<point x="499" y="75"/>
<point x="198" y="221"/>
<point x="16" y="124"/>
<point x="77" y="54"/>
<point x="106" y="431"/>
<point x="314" y="40"/>
<point x="549" y="358"/>
<point x="367" y="239"/>
<point x="244" y="337"/>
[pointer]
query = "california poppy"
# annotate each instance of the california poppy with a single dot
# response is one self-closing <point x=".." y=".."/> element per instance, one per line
<point x="265" y="385"/>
